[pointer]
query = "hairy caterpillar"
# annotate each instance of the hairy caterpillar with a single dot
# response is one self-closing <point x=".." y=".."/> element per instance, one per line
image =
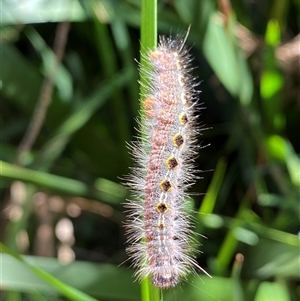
<point x="158" y="227"/>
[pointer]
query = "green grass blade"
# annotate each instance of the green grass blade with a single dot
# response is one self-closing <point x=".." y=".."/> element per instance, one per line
<point x="77" y="119"/>
<point x="103" y="281"/>
<point x="210" y="198"/>
<point x="66" y="290"/>
<point x="148" y="41"/>
<point x="148" y="38"/>
<point x="107" y="191"/>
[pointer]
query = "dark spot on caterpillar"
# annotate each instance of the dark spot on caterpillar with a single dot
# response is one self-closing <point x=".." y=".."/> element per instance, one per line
<point x="178" y="140"/>
<point x="165" y="185"/>
<point x="183" y="118"/>
<point x="171" y="162"/>
<point x="161" y="226"/>
<point x="161" y="208"/>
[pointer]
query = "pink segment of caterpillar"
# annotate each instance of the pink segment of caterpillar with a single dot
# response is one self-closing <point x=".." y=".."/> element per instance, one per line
<point x="159" y="229"/>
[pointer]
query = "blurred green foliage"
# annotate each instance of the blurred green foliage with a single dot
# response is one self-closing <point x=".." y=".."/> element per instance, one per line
<point x="247" y="58"/>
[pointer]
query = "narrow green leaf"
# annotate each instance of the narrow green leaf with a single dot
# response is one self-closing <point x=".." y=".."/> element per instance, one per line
<point x="42" y="179"/>
<point x="210" y="198"/>
<point x="281" y="149"/>
<point x="69" y="292"/>
<point x="62" y="77"/>
<point x="104" y="281"/>
<point x="77" y="119"/>
<point x="109" y="192"/>
<point x="220" y="55"/>
<point x="148" y="41"/>
<point x="225" y="58"/>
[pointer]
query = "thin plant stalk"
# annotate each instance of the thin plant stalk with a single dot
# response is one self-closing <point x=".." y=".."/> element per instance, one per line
<point x="148" y="41"/>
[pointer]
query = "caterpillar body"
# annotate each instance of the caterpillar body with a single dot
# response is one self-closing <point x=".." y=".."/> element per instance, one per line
<point x="158" y="227"/>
